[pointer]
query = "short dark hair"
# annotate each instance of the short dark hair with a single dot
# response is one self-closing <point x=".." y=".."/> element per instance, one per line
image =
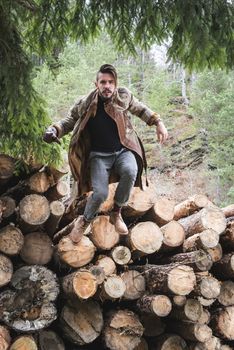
<point x="108" y="68"/>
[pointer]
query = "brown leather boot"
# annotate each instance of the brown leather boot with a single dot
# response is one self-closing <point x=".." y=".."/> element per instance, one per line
<point x="79" y="229"/>
<point x="117" y="220"/>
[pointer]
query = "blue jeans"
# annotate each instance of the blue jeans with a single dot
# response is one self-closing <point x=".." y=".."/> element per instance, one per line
<point x="124" y="164"/>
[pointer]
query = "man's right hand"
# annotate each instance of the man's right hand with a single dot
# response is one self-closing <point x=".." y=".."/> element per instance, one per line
<point x="51" y="135"/>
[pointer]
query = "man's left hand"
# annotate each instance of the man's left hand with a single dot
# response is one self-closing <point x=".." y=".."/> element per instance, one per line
<point x="162" y="133"/>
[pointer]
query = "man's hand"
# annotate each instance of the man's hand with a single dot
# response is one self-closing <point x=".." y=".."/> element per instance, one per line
<point x="51" y="135"/>
<point x="162" y="133"/>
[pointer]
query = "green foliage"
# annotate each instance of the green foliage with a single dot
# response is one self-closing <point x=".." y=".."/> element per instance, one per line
<point x="213" y="102"/>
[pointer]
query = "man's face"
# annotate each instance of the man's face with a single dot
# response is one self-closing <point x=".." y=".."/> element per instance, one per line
<point x="105" y="85"/>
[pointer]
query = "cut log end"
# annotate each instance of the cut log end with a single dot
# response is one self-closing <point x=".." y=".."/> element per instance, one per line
<point x="181" y="280"/>
<point x="146" y="237"/>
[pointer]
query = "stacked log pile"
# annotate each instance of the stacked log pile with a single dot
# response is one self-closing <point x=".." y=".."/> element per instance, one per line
<point x="167" y="285"/>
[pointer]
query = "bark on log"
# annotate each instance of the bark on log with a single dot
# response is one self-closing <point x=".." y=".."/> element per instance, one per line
<point x="207" y="286"/>
<point x="81" y="322"/>
<point x="64" y="232"/>
<point x="57" y="210"/>
<point x="224" y="268"/>
<point x="11" y="240"/>
<point x="107" y="264"/>
<point x="160" y="305"/>
<point x="175" y="279"/>
<point x="173" y="235"/>
<point x="228" y="211"/>
<point x="161" y="212"/>
<point x="8" y="208"/>
<point x="222" y="323"/>
<point x="145" y="238"/>
<point x="7" y="168"/>
<point x="58" y="191"/>
<point x="135" y="284"/>
<point x="5" y="338"/>
<point x="37" y="248"/>
<point x="24" y="342"/>
<point x="112" y="288"/>
<point x="204" y="240"/>
<point x="191" y="311"/>
<point x="199" y="260"/>
<point x="103" y="234"/>
<point x="6" y="270"/>
<point x="170" y="342"/>
<point x="49" y="340"/>
<point x="153" y="325"/>
<point x="139" y="202"/>
<point x="192" y="331"/>
<point x="206" y="302"/>
<point x="215" y="253"/>
<point x="207" y="218"/>
<point x="190" y="205"/>
<point x="227" y="238"/>
<point x="226" y="296"/>
<point x="122" y="331"/>
<point x="121" y="255"/>
<point x="81" y="284"/>
<point x="76" y="254"/>
<point x="34" y="210"/>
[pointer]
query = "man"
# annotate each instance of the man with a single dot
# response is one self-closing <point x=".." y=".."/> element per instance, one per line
<point x="104" y="147"/>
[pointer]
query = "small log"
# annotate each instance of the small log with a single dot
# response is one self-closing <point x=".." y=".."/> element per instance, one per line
<point x="212" y="344"/>
<point x="191" y="311"/>
<point x="228" y="211"/>
<point x="39" y="182"/>
<point x="206" y="302"/>
<point x="6" y="270"/>
<point x="140" y="201"/>
<point x="175" y="279"/>
<point x="215" y="253"/>
<point x="103" y="234"/>
<point x="121" y="255"/>
<point x="34" y="210"/>
<point x="98" y="273"/>
<point x="161" y="212"/>
<point x="81" y="284"/>
<point x="49" y="340"/>
<point x="179" y="300"/>
<point x="190" y="205"/>
<point x="26" y="342"/>
<point x="81" y="322"/>
<point x="192" y="331"/>
<point x="135" y="284"/>
<point x="199" y="260"/>
<point x="58" y="191"/>
<point x="7" y="168"/>
<point x="222" y="323"/>
<point x="107" y="264"/>
<point x="8" y="207"/>
<point x="5" y="338"/>
<point x="226" y="296"/>
<point x="112" y="288"/>
<point x="145" y="238"/>
<point x="207" y="218"/>
<point x="58" y="172"/>
<point x="57" y="210"/>
<point x="160" y="305"/>
<point x="205" y="317"/>
<point x="207" y="286"/>
<point x="204" y="240"/>
<point x="224" y="268"/>
<point x="153" y="325"/>
<point x="65" y="231"/>
<point x="11" y="240"/>
<point x="227" y="238"/>
<point x="122" y="331"/>
<point x="173" y="235"/>
<point x="170" y="342"/>
<point x="37" y="248"/>
<point x="76" y="254"/>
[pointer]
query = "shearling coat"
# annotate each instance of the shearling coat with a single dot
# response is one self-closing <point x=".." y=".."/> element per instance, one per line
<point x="118" y="108"/>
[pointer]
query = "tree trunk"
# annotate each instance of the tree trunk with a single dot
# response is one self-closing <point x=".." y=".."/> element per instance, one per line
<point x="222" y="322"/>
<point x="76" y="254"/>
<point x="57" y="210"/>
<point x="135" y="284"/>
<point x="6" y="270"/>
<point x="191" y="311"/>
<point x="207" y="286"/>
<point x="81" y="284"/>
<point x="34" y="210"/>
<point x="199" y="260"/>
<point x="173" y="235"/>
<point x="107" y="264"/>
<point x="5" y="338"/>
<point x="37" y="248"/>
<point x="82" y="322"/>
<point x="121" y="255"/>
<point x="58" y="191"/>
<point x="207" y="218"/>
<point x="11" y="240"/>
<point x="161" y="212"/>
<point x="103" y="234"/>
<point x="204" y="240"/>
<point x="224" y="268"/>
<point x="160" y="305"/>
<point x="26" y="342"/>
<point x="192" y="331"/>
<point x="49" y="340"/>
<point x="190" y="205"/>
<point x="123" y="330"/>
<point x="226" y="296"/>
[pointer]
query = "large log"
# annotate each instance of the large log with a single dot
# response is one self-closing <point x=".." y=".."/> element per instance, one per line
<point x="161" y="212"/>
<point x="207" y="218"/>
<point x="222" y="323"/>
<point x="192" y="331"/>
<point x="122" y="331"/>
<point x="173" y="235"/>
<point x="174" y="278"/>
<point x="189" y="206"/>
<point x="160" y="305"/>
<point x="226" y="296"/>
<point x="140" y="201"/>
<point x="34" y="210"/>
<point x="170" y="342"/>
<point x="37" y="248"/>
<point x="190" y="311"/>
<point x="6" y="270"/>
<point x="204" y="240"/>
<point x="199" y="260"/>
<point x="76" y="254"/>
<point x="135" y="284"/>
<point x="5" y="338"/>
<point x="81" y="322"/>
<point x="81" y="284"/>
<point x="224" y="268"/>
<point x="103" y="233"/>
<point x="145" y="238"/>
<point x="49" y="340"/>
<point x="24" y="342"/>
<point x="11" y="240"/>
<point x="57" y="210"/>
